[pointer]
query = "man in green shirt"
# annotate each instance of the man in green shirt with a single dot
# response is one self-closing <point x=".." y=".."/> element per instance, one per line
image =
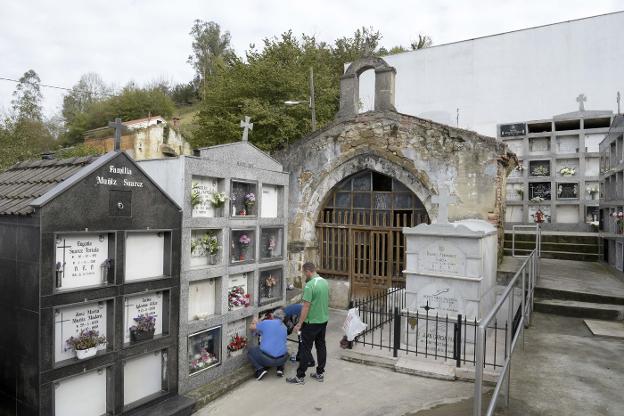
<point x="312" y="324"/>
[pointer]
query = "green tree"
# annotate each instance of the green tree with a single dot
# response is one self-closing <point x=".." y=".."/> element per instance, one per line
<point x="27" y="97"/>
<point x="422" y="42"/>
<point x="88" y="90"/>
<point x="211" y="50"/>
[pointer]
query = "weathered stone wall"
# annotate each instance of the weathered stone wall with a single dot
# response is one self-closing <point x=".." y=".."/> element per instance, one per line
<point x="420" y="153"/>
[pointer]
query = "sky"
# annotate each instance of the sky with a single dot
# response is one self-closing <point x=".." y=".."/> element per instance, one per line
<point x="143" y="41"/>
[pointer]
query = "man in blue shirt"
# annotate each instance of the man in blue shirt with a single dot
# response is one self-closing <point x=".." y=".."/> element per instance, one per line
<point x="272" y="351"/>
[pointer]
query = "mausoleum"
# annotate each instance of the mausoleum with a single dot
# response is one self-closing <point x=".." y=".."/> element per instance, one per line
<point x="355" y="184"/>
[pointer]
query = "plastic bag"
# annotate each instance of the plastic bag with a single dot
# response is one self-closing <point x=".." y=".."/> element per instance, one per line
<point x="353" y="325"/>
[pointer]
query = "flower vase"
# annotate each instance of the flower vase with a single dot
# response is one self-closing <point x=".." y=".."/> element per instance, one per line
<point x="136" y="336"/>
<point x="212" y="259"/>
<point x="84" y="354"/>
<point x="236" y="353"/>
<point x="249" y="208"/>
<point x="243" y="254"/>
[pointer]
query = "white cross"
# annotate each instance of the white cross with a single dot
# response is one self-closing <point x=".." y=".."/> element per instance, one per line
<point x="581" y="100"/>
<point x="443" y="199"/>
<point x="246" y="126"/>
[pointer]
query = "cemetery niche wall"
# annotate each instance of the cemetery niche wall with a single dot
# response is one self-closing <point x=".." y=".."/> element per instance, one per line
<point x="90" y="253"/>
<point x="233" y="252"/>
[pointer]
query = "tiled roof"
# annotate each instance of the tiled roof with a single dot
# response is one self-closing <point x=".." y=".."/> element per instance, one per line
<point x="23" y="183"/>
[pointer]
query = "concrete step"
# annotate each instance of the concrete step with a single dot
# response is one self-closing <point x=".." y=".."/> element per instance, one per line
<point x="559" y="294"/>
<point x="174" y="406"/>
<point x="561" y="255"/>
<point x="565" y="247"/>
<point x="588" y="310"/>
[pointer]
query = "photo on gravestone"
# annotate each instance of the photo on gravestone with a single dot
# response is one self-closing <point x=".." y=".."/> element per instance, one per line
<point x="202" y="298"/>
<point x="567" y="191"/>
<point x="208" y="198"/>
<point x="271" y="284"/>
<point x="236" y="338"/>
<point x="243" y="245"/>
<point x="204" y="350"/>
<point x="81" y="260"/>
<point x="271" y="243"/>
<point x="442" y="257"/>
<point x="70" y="321"/>
<point x="206" y="248"/>
<point x="91" y="387"/>
<point x="143" y="316"/>
<point x="243" y="199"/>
<point x="144" y="376"/>
<point x="239" y="295"/>
<point x="145" y="255"/>
<point x="539" y="190"/>
<point x="271" y="195"/>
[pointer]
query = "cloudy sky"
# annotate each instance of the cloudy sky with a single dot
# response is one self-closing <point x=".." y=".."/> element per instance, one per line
<point x="145" y="40"/>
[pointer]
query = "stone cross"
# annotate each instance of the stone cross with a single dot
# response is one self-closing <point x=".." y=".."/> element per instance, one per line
<point x="581" y="100"/>
<point x="443" y="199"/>
<point x="117" y="125"/>
<point x="246" y="126"/>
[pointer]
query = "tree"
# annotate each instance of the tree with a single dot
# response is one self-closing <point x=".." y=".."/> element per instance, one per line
<point x="211" y="50"/>
<point x="27" y="97"/>
<point x="422" y="42"/>
<point x="88" y="90"/>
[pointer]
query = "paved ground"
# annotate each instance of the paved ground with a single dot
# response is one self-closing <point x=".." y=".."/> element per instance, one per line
<point x="349" y="389"/>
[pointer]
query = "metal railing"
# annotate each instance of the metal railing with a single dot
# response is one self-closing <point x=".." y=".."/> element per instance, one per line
<point x="538" y="238"/>
<point x="527" y="277"/>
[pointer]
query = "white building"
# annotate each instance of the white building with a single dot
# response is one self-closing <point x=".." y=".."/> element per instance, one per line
<point x="527" y="74"/>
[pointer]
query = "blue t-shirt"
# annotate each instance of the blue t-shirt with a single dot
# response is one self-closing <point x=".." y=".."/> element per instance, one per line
<point x="294" y="309"/>
<point x="273" y="333"/>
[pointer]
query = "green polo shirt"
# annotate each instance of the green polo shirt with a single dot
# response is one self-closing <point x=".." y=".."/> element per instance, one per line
<point x="316" y="291"/>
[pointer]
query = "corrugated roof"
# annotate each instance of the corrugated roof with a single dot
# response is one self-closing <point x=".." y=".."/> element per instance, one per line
<point x="26" y="181"/>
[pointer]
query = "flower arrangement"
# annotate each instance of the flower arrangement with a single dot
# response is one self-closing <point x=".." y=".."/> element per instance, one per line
<point x="196" y="198"/>
<point x="270" y="281"/>
<point x="537" y="199"/>
<point x="217" y="199"/>
<point x="250" y="200"/>
<point x="210" y="242"/>
<point x="592" y="189"/>
<point x="203" y="360"/>
<point x="566" y="171"/>
<point x="237" y="343"/>
<point x="540" y="170"/>
<point x="238" y="298"/>
<point x="520" y="193"/>
<point x="619" y="216"/>
<point x="271" y="245"/>
<point x="144" y="327"/>
<point x="86" y="343"/>
<point x="244" y="241"/>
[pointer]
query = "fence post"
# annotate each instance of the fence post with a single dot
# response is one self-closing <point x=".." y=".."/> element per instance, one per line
<point x="397" y="332"/>
<point x="479" y="359"/>
<point x="458" y="341"/>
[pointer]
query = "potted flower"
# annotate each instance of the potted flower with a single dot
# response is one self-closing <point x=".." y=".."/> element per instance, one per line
<point x="217" y="199"/>
<point x="566" y="171"/>
<point x="196" y="247"/>
<point x="86" y="343"/>
<point x="250" y="202"/>
<point x="236" y="345"/>
<point x="203" y="360"/>
<point x="196" y="198"/>
<point x="540" y="170"/>
<point x="237" y="298"/>
<point x="143" y="329"/>
<point x="592" y="191"/>
<point x="271" y="245"/>
<point x="243" y="243"/>
<point x="211" y="246"/>
<point x="619" y="221"/>
<point x="269" y="284"/>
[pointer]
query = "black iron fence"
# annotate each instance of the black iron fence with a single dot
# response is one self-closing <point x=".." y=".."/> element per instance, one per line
<point x="424" y="332"/>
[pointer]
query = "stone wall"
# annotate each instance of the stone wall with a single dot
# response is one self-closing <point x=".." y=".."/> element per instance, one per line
<point x="420" y="153"/>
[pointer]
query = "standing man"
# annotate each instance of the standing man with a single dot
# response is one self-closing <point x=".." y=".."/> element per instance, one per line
<point x="312" y="324"/>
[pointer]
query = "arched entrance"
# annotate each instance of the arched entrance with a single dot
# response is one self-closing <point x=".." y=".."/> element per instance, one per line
<point x="359" y="231"/>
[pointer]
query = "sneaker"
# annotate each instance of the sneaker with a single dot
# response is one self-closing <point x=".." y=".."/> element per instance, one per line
<point x="295" y="380"/>
<point x="280" y="371"/>
<point x="261" y="373"/>
<point x="317" y="377"/>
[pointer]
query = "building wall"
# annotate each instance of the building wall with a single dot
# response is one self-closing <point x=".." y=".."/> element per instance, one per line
<point x="523" y="75"/>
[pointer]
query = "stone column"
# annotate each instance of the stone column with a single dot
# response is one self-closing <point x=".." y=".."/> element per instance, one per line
<point x="384" y="88"/>
<point x="349" y="96"/>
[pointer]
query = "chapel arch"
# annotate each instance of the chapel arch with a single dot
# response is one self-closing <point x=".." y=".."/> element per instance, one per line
<point x="359" y="231"/>
<point x="350" y="89"/>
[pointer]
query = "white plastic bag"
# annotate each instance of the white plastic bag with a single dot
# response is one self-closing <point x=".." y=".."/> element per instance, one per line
<point x="353" y="325"/>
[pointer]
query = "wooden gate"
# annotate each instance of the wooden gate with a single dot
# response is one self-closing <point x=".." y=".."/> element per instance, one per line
<point x="360" y="232"/>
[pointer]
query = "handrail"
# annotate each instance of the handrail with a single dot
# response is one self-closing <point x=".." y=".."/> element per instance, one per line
<point x="530" y="265"/>
<point x="538" y="238"/>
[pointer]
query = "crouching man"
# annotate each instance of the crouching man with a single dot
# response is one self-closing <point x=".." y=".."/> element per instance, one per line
<point x="272" y="351"/>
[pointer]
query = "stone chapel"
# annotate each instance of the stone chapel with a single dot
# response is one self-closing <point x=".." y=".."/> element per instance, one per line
<point x="357" y="182"/>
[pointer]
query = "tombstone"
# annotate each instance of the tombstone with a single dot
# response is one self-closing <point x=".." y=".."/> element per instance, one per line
<point x="246" y="230"/>
<point x="88" y="244"/>
<point x="450" y="270"/>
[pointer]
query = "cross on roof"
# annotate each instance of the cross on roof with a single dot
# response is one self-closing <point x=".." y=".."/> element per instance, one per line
<point x="117" y="125"/>
<point x="581" y="100"/>
<point x="443" y="199"/>
<point x="246" y="126"/>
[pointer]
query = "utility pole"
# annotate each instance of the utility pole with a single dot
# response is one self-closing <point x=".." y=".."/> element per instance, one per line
<point x="312" y="103"/>
<point x="619" y="97"/>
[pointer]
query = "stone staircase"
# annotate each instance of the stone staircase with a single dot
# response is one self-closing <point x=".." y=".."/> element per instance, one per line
<point x="557" y="245"/>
